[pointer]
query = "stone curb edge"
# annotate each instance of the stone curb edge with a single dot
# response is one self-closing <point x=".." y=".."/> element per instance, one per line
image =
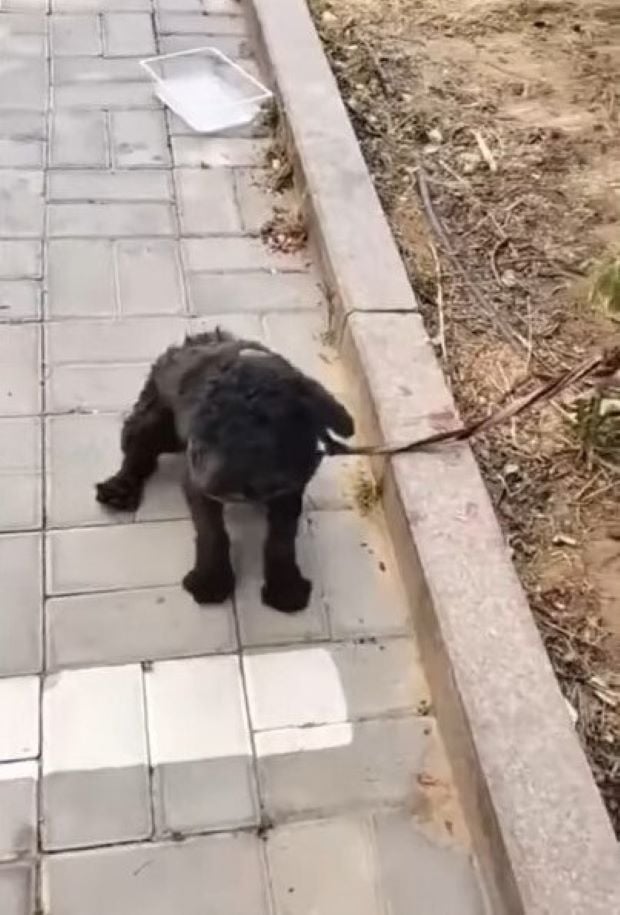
<point x="540" y="831"/>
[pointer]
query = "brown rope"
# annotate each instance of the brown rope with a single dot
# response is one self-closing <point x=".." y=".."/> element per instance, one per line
<point x="603" y="366"/>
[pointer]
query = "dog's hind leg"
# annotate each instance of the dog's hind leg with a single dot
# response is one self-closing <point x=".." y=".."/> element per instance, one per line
<point x="284" y="588"/>
<point x="211" y="580"/>
<point x="147" y="432"/>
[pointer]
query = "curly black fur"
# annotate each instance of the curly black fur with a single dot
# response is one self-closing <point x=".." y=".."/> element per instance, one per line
<point x="251" y="426"/>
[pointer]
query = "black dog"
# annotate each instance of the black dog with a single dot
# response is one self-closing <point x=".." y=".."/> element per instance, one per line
<point x="253" y="428"/>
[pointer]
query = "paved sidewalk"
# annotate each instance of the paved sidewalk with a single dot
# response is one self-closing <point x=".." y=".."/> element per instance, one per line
<point x="157" y="758"/>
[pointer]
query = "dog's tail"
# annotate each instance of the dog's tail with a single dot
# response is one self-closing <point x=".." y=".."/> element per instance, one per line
<point x="331" y="415"/>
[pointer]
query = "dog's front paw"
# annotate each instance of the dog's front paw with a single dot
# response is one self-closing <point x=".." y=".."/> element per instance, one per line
<point x="120" y="493"/>
<point x="288" y="593"/>
<point x="209" y="588"/>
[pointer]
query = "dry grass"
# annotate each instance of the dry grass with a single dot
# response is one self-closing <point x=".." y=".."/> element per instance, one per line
<point x="510" y="110"/>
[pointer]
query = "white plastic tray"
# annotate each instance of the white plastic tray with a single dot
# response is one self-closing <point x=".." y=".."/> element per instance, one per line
<point x="210" y="92"/>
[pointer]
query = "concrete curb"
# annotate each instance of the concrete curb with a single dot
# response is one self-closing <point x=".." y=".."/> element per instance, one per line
<point x="544" y="842"/>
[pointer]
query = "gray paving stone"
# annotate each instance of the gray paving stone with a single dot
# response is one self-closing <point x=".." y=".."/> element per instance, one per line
<point x="29" y="6"/>
<point x="218" y="152"/>
<point x="98" y="6"/>
<point x="25" y="21"/>
<point x="22" y="34"/>
<point x="18" y="802"/>
<point x="370" y="600"/>
<point x="136" y="340"/>
<point x="327" y="867"/>
<point x="20" y="466"/>
<point x="20" y="300"/>
<point x="215" y="7"/>
<point x="16" y="889"/>
<point x="256" y="202"/>
<point x="233" y="46"/>
<point x="139" y="139"/>
<point x="24" y="83"/>
<point x="76" y="70"/>
<point x="97" y="807"/>
<point x="188" y="6"/>
<point x="21" y="605"/>
<point x="23" y="125"/>
<point x="258" y="128"/>
<point x="93" y="388"/>
<point x="340" y="767"/>
<point x="419" y="875"/>
<point x="220" y="874"/>
<point x="228" y="254"/>
<point x="163" y="494"/>
<point x="253" y="292"/>
<point x="337" y="482"/>
<point x="150" y="278"/>
<point x="119" y="556"/>
<point x="301" y="338"/>
<point x="81" y="281"/>
<point x="65" y="220"/>
<point x="75" y="35"/>
<point x="205" y="795"/>
<point x="20" y="351"/>
<point x="21" y="140"/>
<point x="248" y="326"/>
<point x="125" y="95"/>
<point x="78" y="138"/>
<point x="80" y="451"/>
<point x="126" y="626"/>
<point x="21" y="153"/>
<point x="260" y="625"/>
<point x="206" y="202"/>
<point x="91" y="185"/>
<point x="126" y="34"/>
<point x="192" y="24"/>
<point x="21" y="210"/>
<point x="20" y="259"/>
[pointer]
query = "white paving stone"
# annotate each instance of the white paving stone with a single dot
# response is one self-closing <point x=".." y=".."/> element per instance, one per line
<point x="294" y="689"/>
<point x="196" y="710"/>
<point x="19" y="718"/>
<point x="93" y="719"/>
<point x="333" y="683"/>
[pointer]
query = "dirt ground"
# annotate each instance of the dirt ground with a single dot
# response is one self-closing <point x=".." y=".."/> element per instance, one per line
<point x="509" y="111"/>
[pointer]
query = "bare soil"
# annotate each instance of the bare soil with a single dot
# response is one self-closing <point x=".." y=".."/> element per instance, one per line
<point x="509" y="109"/>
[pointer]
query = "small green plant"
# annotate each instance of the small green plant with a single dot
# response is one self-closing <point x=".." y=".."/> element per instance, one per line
<point x="605" y="291"/>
